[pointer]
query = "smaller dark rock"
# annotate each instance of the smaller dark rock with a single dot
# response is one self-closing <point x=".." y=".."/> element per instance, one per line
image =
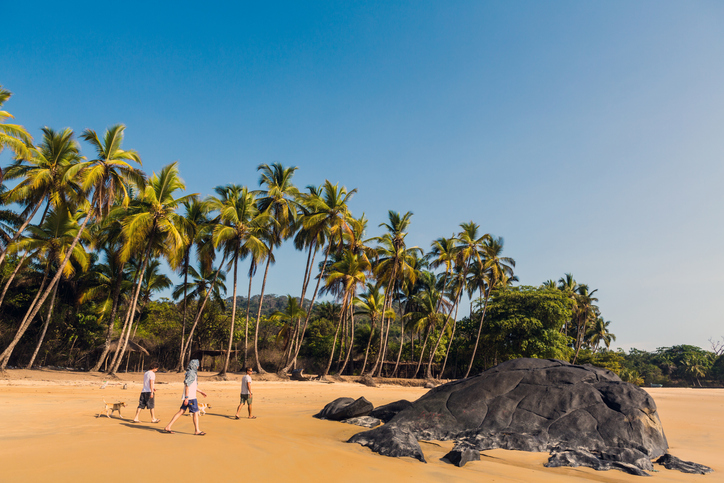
<point x="388" y="441"/>
<point x="345" y="408"/>
<point x="389" y="411"/>
<point x="460" y="455"/>
<point x="673" y="463"/>
<point x="367" y="381"/>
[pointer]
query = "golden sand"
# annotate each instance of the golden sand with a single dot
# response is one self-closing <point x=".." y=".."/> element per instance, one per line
<point x="51" y="432"/>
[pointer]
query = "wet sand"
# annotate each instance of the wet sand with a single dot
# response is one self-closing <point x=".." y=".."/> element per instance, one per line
<point x="52" y="432"/>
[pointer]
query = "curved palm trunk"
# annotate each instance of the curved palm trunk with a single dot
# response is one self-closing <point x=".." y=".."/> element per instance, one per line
<point x="183" y="314"/>
<point x="146" y="257"/>
<point x="12" y="277"/>
<point x="233" y="319"/>
<point x="428" y="372"/>
<point x="402" y="343"/>
<point x="351" y="340"/>
<point x="126" y="319"/>
<point x="260" y="369"/>
<point x="369" y="343"/>
<point x="45" y="327"/>
<point x="336" y="333"/>
<point x="452" y="337"/>
<point x="309" y="312"/>
<point x="112" y="320"/>
<point x="28" y="319"/>
<point x="295" y="334"/>
<point x="379" y="362"/>
<point x="246" y="326"/>
<point x="187" y="346"/>
<point x="422" y="352"/>
<point x="480" y="329"/>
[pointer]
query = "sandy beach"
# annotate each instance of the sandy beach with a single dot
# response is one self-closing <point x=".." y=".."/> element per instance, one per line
<point x="51" y="431"/>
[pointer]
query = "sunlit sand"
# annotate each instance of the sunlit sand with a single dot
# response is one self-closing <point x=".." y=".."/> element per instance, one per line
<point x="51" y="432"/>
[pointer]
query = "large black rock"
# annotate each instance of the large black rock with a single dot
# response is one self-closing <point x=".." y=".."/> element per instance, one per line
<point x="584" y="415"/>
<point x="345" y="408"/>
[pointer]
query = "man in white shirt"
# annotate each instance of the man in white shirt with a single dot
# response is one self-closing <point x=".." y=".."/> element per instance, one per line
<point x="246" y="394"/>
<point x="147" y="399"/>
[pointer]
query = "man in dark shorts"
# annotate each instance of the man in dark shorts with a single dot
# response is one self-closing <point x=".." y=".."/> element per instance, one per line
<point x="148" y="393"/>
<point x="246" y="394"/>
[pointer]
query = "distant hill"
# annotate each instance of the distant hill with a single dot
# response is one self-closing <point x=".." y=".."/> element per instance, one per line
<point x="272" y="303"/>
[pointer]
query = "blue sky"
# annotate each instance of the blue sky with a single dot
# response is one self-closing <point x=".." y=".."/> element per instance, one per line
<point x="587" y="134"/>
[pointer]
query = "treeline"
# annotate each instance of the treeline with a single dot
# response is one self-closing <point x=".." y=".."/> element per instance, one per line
<point x="81" y="257"/>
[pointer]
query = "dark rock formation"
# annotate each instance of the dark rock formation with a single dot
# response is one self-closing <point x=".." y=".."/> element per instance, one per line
<point x="582" y="414"/>
<point x="345" y="408"/>
<point x="297" y="375"/>
<point x="389" y="411"/>
<point x="673" y="463"/>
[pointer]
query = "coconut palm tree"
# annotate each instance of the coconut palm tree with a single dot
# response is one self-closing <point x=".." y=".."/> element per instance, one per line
<point x="12" y="136"/>
<point x="585" y="311"/>
<point x="237" y="232"/>
<point x="292" y="312"/>
<point x="370" y="304"/>
<point x="429" y="317"/>
<point x="351" y="272"/>
<point x="43" y="177"/>
<point x="280" y="200"/>
<point x="153" y="226"/>
<point x="499" y="271"/>
<point x="50" y="242"/>
<point x="598" y="333"/>
<point x="108" y="177"/>
<point x="328" y="218"/>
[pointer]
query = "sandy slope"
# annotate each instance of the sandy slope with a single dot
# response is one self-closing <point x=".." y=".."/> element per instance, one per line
<point x="51" y="432"/>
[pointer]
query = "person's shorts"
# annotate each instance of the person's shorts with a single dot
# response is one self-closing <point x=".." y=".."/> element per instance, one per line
<point x="246" y="398"/>
<point x="146" y="401"/>
<point x="192" y="406"/>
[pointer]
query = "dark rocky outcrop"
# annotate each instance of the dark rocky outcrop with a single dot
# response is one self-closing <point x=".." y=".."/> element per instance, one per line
<point x="582" y="415"/>
<point x="673" y="463"/>
<point x="345" y="408"/>
<point x="364" y="421"/>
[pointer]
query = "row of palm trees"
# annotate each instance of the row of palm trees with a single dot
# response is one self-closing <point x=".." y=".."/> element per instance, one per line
<point x="108" y="206"/>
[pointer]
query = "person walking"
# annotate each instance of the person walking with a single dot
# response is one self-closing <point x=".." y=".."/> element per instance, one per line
<point x="246" y="394"/>
<point x="191" y="387"/>
<point x="148" y="393"/>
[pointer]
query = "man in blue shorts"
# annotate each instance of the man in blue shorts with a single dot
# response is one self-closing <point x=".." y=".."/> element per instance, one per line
<point x="191" y="387"/>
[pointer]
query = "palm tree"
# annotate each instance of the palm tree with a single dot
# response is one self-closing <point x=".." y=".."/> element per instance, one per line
<point x="499" y="270"/>
<point x="43" y="177"/>
<point x="237" y="232"/>
<point x="428" y="318"/>
<point x="280" y="201"/>
<point x="195" y="225"/>
<point x="394" y="264"/>
<point x="328" y="218"/>
<point x="600" y="333"/>
<point x="370" y="304"/>
<point x="292" y="312"/>
<point x="51" y="241"/>
<point x="154" y="226"/>
<point x="12" y="136"/>
<point x="109" y="178"/>
<point x="350" y="272"/>
<point x="585" y="311"/>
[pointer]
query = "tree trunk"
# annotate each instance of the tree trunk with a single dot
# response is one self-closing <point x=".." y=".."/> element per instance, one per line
<point x="246" y="326"/>
<point x="146" y="257"/>
<point x="309" y="312"/>
<point x="12" y="277"/>
<point x="480" y="329"/>
<point x="183" y="314"/>
<point x="187" y="346"/>
<point x="369" y="343"/>
<point x="233" y="319"/>
<point x="260" y="369"/>
<point x="334" y="343"/>
<point x="45" y="327"/>
<point x="112" y="319"/>
<point x="452" y="337"/>
<point x="380" y="361"/>
<point x="351" y="339"/>
<point x="305" y="283"/>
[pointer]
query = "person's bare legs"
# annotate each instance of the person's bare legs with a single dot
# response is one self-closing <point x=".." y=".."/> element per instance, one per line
<point x="138" y="412"/>
<point x="173" y="420"/>
<point x="249" y="405"/>
<point x="236" y="416"/>
<point x="195" y="417"/>
<point x="153" y="416"/>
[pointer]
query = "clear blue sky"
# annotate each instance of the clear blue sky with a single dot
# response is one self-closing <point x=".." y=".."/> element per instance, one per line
<point x="587" y="134"/>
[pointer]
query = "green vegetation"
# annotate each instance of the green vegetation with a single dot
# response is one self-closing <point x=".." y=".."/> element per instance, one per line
<point x="82" y="242"/>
